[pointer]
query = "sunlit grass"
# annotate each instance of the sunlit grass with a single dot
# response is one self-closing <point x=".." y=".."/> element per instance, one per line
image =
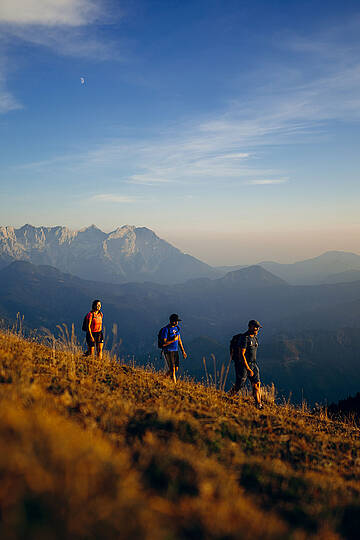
<point x="92" y="449"/>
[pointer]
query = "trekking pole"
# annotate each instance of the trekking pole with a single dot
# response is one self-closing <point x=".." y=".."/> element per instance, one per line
<point x="163" y="357"/>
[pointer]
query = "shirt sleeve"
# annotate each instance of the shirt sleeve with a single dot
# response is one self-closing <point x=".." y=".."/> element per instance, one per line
<point x="243" y="342"/>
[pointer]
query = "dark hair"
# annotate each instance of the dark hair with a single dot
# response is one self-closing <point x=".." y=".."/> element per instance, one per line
<point x="93" y="305"/>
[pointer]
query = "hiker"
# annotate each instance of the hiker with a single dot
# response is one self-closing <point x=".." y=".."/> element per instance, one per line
<point x="94" y="334"/>
<point x="243" y="349"/>
<point x="169" y="342"/>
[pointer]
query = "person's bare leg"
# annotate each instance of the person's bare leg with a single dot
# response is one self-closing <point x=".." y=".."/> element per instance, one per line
<point x="257" y="393"/>
<point x="169" y="372"/>
<point x="90" y="351"/>
<point x="99" y="350"/>
<point x="174" y="374"/>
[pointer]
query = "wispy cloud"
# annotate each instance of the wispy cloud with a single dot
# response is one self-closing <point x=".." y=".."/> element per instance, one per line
<point x="113" y="198"/>
<point x="151" y="179"/>
<point x="66" y="40"/>
<point x="7" y="101"/>
<point x="181" y="157"/>
<point x="49" y="12"/>
<point x="61" y="25"/>
<point x="190" y="156"/>
<point x="269" y="181"/>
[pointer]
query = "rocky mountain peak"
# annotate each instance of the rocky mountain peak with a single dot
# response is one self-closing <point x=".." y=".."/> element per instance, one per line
<point x="126" y="254"/>
<point x="92" y="233"/>
<point x="120" y="232"/>
<point x="90" y="228"/>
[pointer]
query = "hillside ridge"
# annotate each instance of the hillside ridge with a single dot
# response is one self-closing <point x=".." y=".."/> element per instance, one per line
<point x="106" y="449"/>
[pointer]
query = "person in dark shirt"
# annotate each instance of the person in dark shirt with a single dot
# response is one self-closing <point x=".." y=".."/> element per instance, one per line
<point x="243" y="350"/>
<point x="171" y="343"/>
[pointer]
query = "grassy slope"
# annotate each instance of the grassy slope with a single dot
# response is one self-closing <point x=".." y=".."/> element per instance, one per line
<point x="90" y="450"/>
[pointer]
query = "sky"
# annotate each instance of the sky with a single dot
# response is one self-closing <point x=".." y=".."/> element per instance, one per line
<point x="230" y="128"/>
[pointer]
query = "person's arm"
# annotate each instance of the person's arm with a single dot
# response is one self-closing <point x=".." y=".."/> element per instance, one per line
<point x="166" y="342"/>
<point x="250" y="371"/>
<point x="102" y="316"/>
<point x="182" y="348"/>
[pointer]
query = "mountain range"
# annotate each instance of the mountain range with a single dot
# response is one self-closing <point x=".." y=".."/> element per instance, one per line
<point x="330" y="267"/>
<point x="125" y="254"/>
<point x="137" y="254"/>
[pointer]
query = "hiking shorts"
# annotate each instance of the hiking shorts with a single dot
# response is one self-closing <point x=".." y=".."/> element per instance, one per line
<point x="98" y="338"/>
<point x="242" y="374"/>
<point x="172" y="359"/>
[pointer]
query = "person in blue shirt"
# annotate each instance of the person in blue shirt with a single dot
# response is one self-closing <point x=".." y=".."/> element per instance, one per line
<point x="171" y="343"/>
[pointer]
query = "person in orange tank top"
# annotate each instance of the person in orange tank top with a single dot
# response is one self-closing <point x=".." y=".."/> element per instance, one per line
<point x="94" y="333"/>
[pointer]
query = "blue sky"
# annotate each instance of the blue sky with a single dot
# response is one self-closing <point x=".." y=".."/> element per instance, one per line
<point x="230" y="128"/>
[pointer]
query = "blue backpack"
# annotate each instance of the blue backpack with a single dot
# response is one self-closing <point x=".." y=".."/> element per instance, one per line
<point x="161" y="337"/>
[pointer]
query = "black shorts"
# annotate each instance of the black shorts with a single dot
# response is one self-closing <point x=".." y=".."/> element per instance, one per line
<point x="172" y="358"/>
<point x="98" y="338"/>
<point x="242" y="374"/>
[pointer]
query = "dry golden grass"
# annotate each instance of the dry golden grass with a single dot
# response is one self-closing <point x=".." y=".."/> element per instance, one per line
<point x="93" y="449"/>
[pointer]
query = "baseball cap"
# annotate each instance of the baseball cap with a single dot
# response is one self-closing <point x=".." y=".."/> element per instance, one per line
<point x="174" y="317"/>
<point x="254" y="322"/>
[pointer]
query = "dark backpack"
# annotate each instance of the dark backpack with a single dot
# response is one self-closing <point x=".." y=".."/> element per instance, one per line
<point x="234" y="345"/>
<point x="85" y="324"/>
<point x="161" y="337"/>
